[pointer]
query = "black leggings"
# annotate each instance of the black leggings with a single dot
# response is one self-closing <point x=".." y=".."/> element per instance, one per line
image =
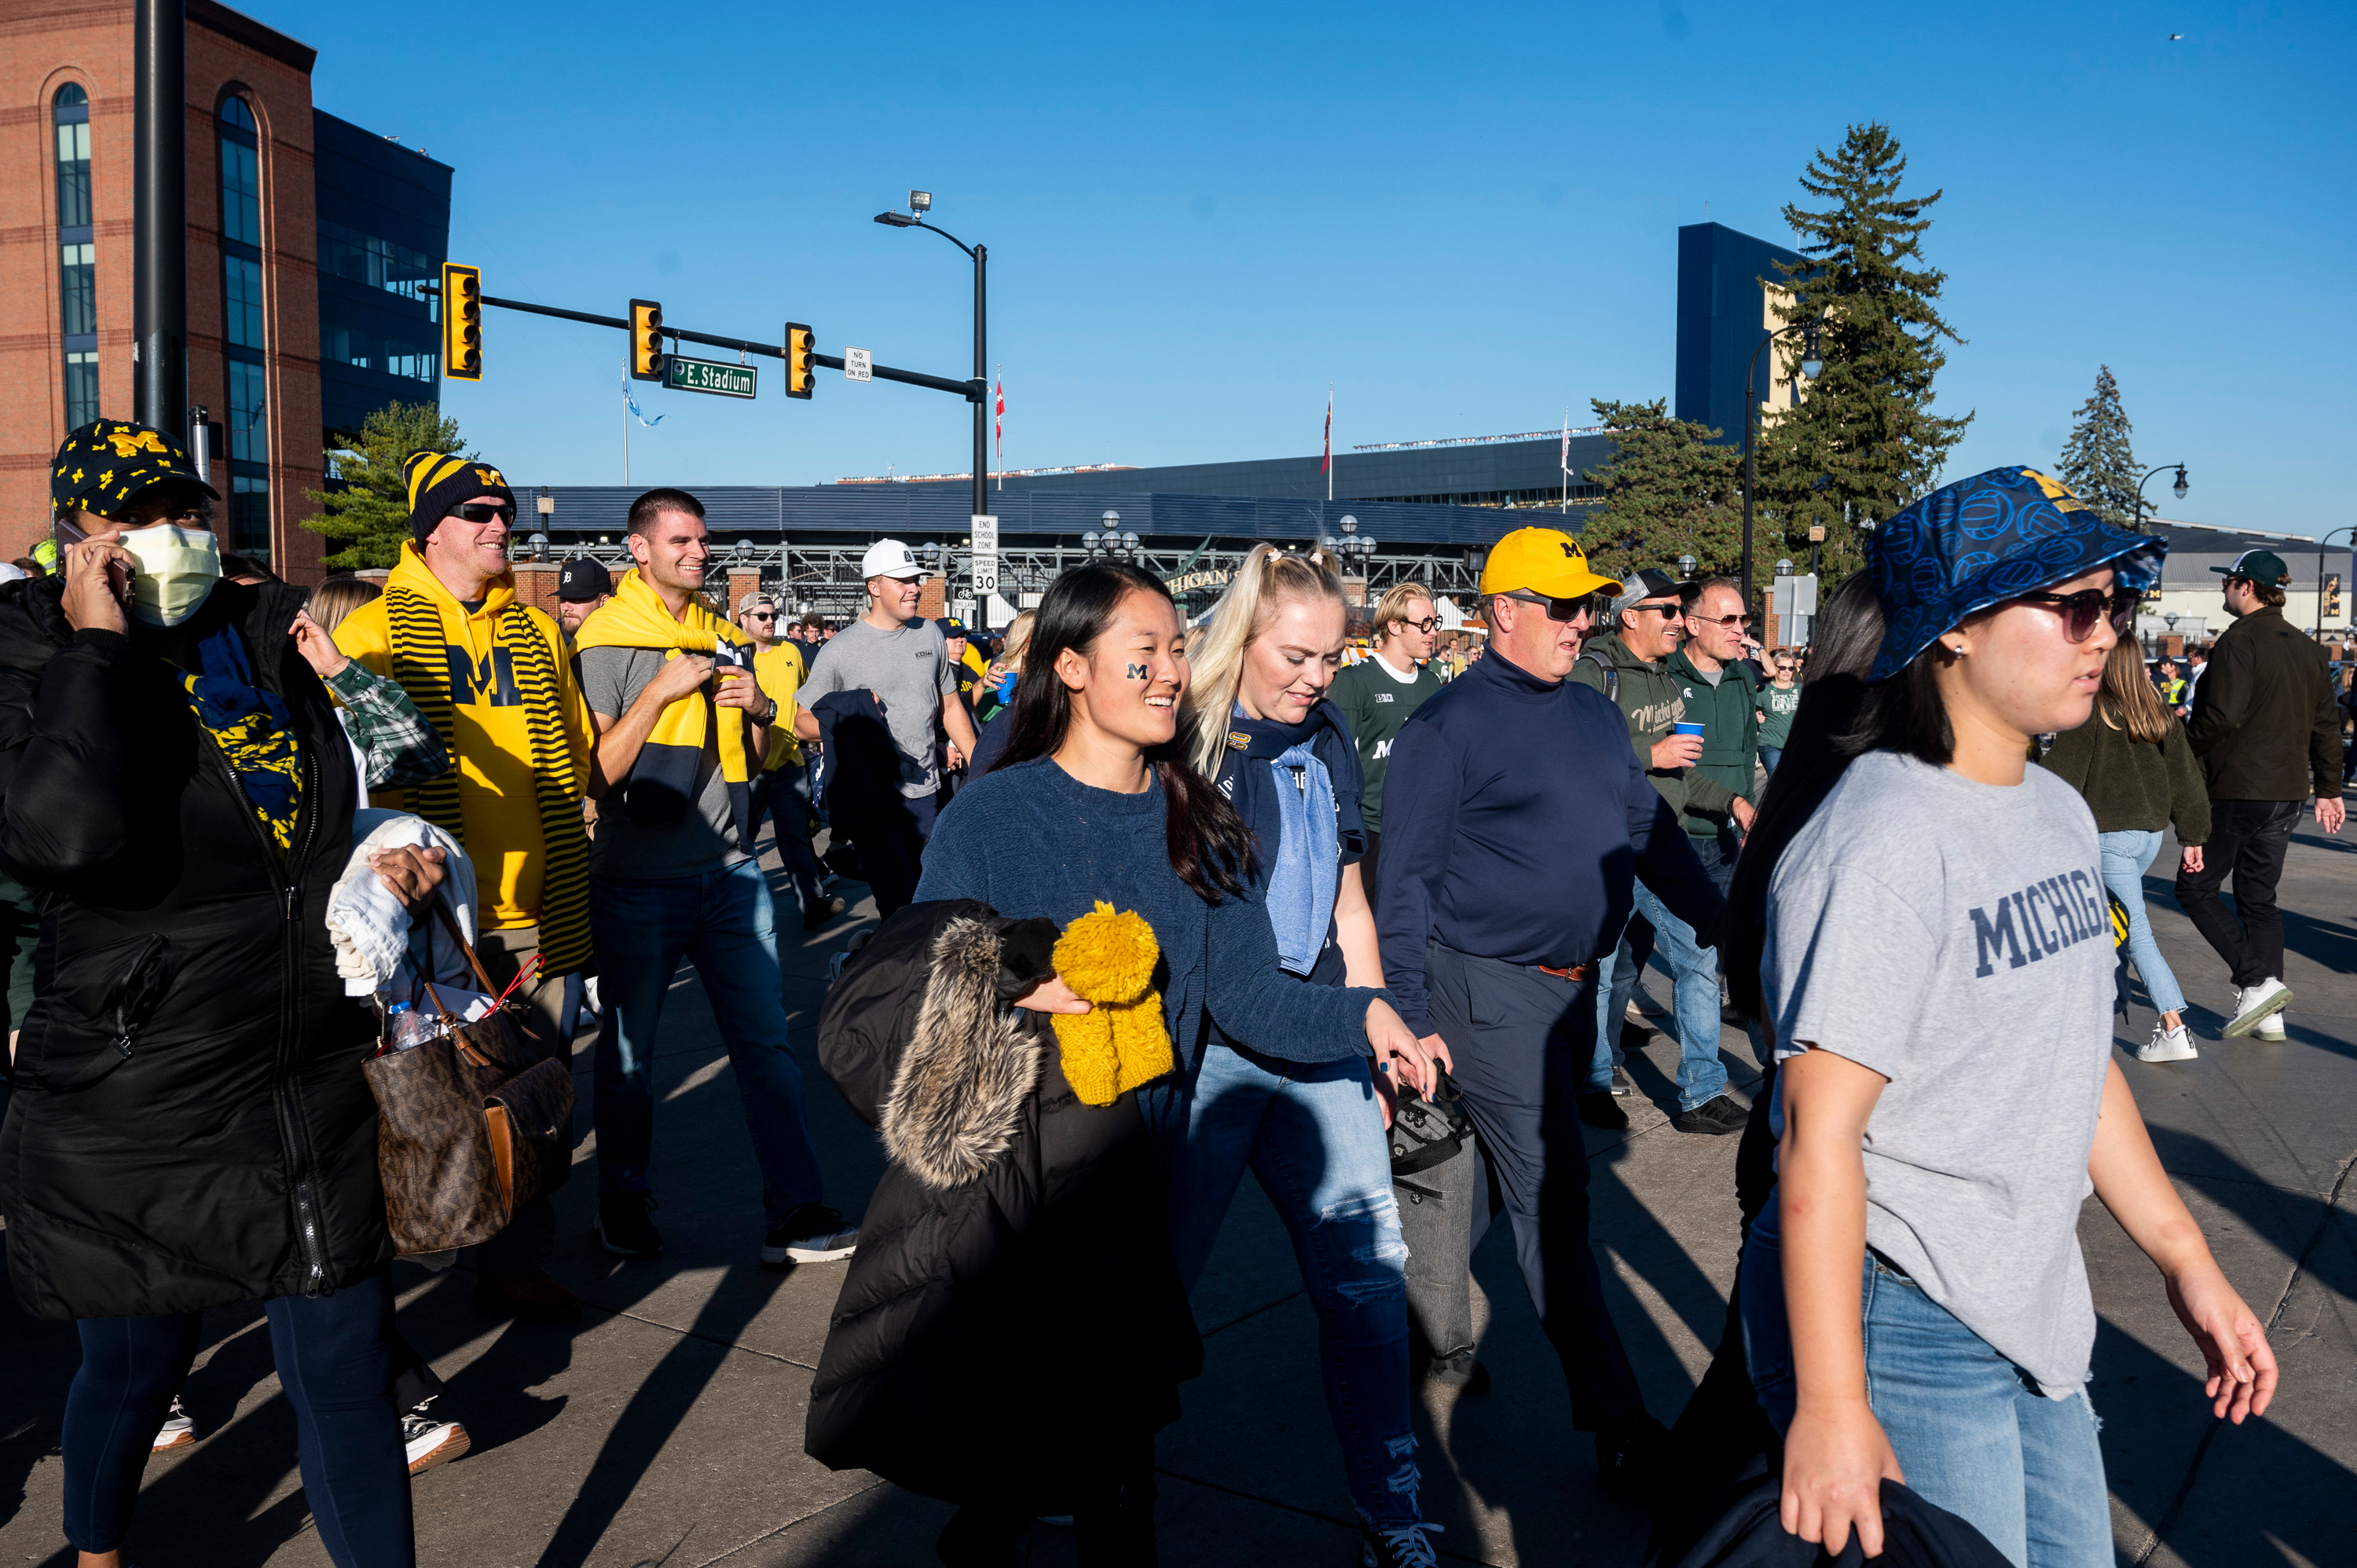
<point x="334" y="1366"/>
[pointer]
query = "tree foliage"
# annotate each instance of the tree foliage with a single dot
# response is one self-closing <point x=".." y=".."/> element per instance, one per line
<point x="1863" y="442"/>
<point x="2100" y="462"/>
<point x="1671" y="489"/>
<point x="369" y="519"/>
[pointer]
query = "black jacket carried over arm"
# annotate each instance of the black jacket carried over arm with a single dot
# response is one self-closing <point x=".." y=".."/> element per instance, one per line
<point x="2265" y="723"/>
<point x="190" y="1127"/>
<point x="1012" y="1328"/>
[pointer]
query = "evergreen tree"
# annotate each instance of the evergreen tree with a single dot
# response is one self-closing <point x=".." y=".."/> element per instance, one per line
<point x="370" y="518"/>
<point x="1671" y="489"/>
<point x="2100" y="462"/>
<point x="1863" y="442"/>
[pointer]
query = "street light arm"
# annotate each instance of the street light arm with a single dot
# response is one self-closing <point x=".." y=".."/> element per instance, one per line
<point x="946" y="234"/>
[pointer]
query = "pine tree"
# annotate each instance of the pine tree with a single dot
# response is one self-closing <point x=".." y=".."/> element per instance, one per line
<point x="1863" y="442"/>
<point x="2100" y="462"/>
<point x="370" y="516"/>
<point x="1671" y="489"/>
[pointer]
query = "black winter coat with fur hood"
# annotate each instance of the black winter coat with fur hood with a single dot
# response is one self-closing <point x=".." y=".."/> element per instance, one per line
<point x="1012" y="1328"/>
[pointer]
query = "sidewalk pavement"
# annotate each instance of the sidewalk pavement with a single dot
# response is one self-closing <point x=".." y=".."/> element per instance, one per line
<point x="665" y="1426"/>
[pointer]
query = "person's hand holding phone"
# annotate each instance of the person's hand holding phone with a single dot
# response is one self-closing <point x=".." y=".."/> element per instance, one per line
<point x="97" y="572"/>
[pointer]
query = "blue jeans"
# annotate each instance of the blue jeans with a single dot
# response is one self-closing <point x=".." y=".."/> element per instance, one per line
<point x="1971" y="1430"/>
<point x="2125" y="856"/>
<point x="724" y="923"/>
<point x="333" y="1364"/>
<point x="1770" y="756"/>
<point x="1313" y="1136"/>
<point x="783" y="796"/>
<point x="1701" y="1075"/>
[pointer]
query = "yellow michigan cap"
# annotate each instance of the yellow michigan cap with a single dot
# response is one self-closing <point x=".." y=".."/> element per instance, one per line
<point x="1541" y="560"/>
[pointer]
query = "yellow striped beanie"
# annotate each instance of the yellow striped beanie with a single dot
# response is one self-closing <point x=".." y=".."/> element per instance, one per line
<point x="440" y="480"/>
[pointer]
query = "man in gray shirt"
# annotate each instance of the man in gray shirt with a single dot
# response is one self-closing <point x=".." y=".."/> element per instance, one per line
<point x="900" y="659"/>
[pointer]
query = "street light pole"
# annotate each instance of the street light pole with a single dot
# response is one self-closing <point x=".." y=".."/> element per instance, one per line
<point x="978" y="391"/>
<point x="1811" y="354"/>
<point x="2178" y="489"/>
<point x="159" y="230"/>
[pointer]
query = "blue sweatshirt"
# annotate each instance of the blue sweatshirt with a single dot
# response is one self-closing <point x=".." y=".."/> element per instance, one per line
<point x="1032" y="839"/>
<point x="1515" y="816"/>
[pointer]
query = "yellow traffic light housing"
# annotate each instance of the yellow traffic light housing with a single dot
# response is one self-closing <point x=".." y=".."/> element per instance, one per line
<point x="462" y="322"/>
<point x="801" y="369"/>
<point x="646" y="341"/>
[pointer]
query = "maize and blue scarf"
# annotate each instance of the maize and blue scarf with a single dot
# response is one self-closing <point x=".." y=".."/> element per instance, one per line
<point x="1297" y="787"/>
<point x="254" y="729"/>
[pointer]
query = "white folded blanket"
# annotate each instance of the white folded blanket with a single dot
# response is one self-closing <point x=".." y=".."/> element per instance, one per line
<point x="370" y="926"/>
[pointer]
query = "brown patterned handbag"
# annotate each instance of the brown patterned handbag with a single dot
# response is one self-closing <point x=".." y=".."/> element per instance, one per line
<point x="470" y="1126"/>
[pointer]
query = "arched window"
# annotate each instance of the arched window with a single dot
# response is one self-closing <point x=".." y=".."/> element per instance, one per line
<point x="245" y="329"/>
<point x="77" y="259"/>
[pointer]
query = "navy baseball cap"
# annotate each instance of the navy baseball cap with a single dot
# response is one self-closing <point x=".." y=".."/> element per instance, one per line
<point x="1985" y="540"/>
<point x="951" y="626"/>
<point x="578" y="582"/>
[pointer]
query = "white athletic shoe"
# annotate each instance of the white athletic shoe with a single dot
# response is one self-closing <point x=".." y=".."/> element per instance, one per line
<point x="177" y="1431"/>
<point x="431" y="1442"/>
<point x="2255" y="1004"/>
<point x="2168" y="1046"/>
<point x="2271" y="1027"/>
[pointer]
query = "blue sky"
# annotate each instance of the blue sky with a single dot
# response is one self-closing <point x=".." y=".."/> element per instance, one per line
<point x="1464" y="216"/>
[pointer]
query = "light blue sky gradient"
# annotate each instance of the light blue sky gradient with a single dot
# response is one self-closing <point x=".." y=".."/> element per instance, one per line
<point x="1464" y="216"/>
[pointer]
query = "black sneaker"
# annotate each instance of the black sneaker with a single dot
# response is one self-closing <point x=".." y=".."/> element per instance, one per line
<point x="1628" y="1457"/>
<point x="1401" y="1546"/>
<point x="822" y="911"/>
<point x="623" y="1228"/>
<point x="1621" y="1082"/>
<point x="1598" y="1109"/>
<point x="1718" y="1115"/>
<point x="811" y="1234"/>
<point x="1462" y="1371"/>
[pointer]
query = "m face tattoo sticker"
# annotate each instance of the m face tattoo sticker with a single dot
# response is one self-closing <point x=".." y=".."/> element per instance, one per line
<point x="1137" y="671"/>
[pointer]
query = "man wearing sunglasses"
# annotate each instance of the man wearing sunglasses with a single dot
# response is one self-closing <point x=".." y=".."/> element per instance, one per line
<point x="1380" y="694"/>
<point x="781" y="791"/>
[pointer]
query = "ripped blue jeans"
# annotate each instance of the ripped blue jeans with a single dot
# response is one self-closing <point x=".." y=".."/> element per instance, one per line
<point x="1314" y="1135"/>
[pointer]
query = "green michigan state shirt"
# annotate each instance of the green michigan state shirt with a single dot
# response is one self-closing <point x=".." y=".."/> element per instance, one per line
<point x="1377" y="700"/>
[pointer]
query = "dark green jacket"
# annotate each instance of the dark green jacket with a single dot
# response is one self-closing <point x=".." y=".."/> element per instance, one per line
<point x="1730" y="745"/>
<point x="1652" y="700"/>
<point x="2131" y="785"/>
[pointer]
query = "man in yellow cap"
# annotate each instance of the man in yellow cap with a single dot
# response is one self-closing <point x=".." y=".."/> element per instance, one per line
<point x="1516" y="816"/>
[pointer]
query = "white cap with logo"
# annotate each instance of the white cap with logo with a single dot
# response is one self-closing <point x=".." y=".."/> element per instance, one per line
<point x="890" y="558"/>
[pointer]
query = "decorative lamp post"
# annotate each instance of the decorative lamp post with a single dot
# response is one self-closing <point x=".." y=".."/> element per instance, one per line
<point x="919" y="203"/>
<point x="539" y="543"/>
<point x="2178" y="489"/>
<point x="1686" y="567"/>
<point x="1811" y="366"/>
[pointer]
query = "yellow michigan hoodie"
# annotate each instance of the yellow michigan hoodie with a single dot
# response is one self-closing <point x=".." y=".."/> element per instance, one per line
<point x="499" y="805"/>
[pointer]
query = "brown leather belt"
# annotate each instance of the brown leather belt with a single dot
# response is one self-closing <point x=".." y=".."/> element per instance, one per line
<point x="1575" y="973"/>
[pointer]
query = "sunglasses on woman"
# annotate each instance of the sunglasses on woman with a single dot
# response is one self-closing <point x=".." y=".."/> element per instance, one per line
<point x="2082" y="610"/>
<point x="1562" y="611"/>
<point x="482" y="512"/>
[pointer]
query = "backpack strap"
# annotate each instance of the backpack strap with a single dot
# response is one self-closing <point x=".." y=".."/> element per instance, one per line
<point x="1612" y="678"/>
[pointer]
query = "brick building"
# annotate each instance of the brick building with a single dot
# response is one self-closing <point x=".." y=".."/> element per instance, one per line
<point x="308" y="243"/>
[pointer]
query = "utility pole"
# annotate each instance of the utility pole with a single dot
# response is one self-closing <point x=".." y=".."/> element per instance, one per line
<point x="981" y="380"/>
<point x="159" y="208"/>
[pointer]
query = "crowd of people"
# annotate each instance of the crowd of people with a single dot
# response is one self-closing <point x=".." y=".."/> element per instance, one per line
<point x="1162" y="900"/>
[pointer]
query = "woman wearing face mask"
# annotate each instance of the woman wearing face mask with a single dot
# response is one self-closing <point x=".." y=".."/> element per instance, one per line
<point x="1936" y="965"/>
<point x="190" y="1127"/>
<point x="1309" y="1127"/>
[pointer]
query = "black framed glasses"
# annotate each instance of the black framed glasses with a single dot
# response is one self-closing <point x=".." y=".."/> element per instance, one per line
<point x="482" y="512"/>
<point x="1561" y="611"/>
<point x="2082" y="610"/>
<point x="1426" y="624"/>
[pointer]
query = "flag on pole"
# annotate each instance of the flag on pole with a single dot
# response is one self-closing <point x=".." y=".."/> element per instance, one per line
<point x="1566" y="446"/>
<point x="631" y="404"/>
<point x="1326" y="463"/>
<point x="998" y="430"/>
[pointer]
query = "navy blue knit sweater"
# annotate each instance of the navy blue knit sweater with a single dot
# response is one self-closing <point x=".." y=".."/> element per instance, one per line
<point x="1032" y="839"/>
<point x="1515" y="816"/>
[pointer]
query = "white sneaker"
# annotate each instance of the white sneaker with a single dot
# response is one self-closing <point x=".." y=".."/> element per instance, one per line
<point x="2253" y="1004"/>
<point x="431" y="1442"/>
<point x="2271" y="1027"/>
<point x="177" y="1431"/>
<point x="2168" y="1046"/>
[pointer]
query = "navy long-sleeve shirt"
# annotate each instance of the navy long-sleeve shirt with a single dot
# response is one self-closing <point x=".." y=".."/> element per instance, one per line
<point x="1516" y="816"/>
<point x="1032" y="839"/>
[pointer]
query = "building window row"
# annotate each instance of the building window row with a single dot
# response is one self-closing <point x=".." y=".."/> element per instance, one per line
<point x="1549" y="496"/>
<point x="76" y="255"/>
<point x="246" y="329"/>
<point x="367" y="351"/>
<point x="375" y="263"/>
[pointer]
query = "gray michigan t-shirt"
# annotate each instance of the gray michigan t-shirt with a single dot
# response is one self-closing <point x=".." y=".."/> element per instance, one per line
<point x="702" y="840"/>
<point x="909" y="669"/>
<point x="1954" y="938"/>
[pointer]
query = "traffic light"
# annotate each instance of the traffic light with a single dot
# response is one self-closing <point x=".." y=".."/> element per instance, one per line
<point x="646" y="341"/>
<point x="462" y="322"/>
<point x="800" y="370"/>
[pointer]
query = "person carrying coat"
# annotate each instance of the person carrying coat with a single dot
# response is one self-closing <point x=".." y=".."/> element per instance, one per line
<point x="190" y="1127"/>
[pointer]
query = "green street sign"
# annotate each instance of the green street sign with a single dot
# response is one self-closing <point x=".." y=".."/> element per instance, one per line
<point x="708" y="376"/>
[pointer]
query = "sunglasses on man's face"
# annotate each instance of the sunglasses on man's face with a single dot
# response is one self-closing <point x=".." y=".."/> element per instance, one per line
<point x="1667" y="612"/>
<point x="1729" y="622"/>
<point x="482" y="512"/>
<point x="1561" y="611"/>
<point x="761" y="615"/>
<point x="2081" y="611"/>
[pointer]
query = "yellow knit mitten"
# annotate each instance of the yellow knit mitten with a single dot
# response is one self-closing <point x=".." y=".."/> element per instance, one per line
<point x="1107" y="959"/>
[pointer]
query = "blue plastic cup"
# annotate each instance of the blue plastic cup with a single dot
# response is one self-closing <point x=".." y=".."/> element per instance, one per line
<point x="1686" y="729"/>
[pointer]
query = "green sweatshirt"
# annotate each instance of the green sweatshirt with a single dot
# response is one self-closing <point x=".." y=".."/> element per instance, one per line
<point x="1652" y="700"/>
<point x="1731" y="738"/>
<point x="1377" y="701"/>
<point x="2131" y="785"/>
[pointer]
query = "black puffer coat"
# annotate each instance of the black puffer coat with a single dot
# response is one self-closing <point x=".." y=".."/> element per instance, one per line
<point x="1012" y="1328"/>
<point x="190" y="1127"/>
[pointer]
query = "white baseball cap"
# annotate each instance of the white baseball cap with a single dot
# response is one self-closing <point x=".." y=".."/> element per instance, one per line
<point x="890" y="558"/>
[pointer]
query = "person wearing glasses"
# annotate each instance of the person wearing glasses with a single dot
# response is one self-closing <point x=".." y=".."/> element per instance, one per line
<point x="1516" y="819"/>
<point x="1777" y="701"/>
<point x="2268" y="732"/>
<point x="1722" y="697"/>
<point x="1382" y="692"/>
<point x="1937" y="969"/>
<point x="1632" y="666"/>
<point x="781" y="793"/>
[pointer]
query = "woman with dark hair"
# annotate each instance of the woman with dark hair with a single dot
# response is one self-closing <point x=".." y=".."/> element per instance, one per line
<point x="1936" y="973"/>
<point x="1093" y="803"/>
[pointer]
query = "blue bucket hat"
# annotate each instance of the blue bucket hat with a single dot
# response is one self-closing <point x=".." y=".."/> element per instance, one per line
<point x="1985" y="540"/>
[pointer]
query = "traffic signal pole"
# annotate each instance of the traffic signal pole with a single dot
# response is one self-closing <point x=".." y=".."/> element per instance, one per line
<point x="159" y="229"/>
<point x="981" y="377"/>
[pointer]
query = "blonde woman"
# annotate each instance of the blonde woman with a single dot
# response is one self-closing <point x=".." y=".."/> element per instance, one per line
<point x="1257" y="722"/>
<point x="995" y="699"/>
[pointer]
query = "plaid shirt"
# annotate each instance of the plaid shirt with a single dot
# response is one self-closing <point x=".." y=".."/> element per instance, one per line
<point x="385" y="726"/>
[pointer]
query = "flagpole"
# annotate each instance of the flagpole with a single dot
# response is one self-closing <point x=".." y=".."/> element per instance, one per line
<point x="625" y="437"/>
<point x="1330" y="441"/>
<point x="1565" y="461"/>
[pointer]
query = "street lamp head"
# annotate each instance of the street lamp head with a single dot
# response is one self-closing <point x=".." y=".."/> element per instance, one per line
<point x="1367" y="546"/>
<point x="2170" y="619"/>
<point x="1813" y="352"/>
<point x="1088" y="540"/>
<point x="539" y="543"/>
<point x="1349" y="524"/>
<point x="1128" y="540"/>
<point x="897" y="219"/>
<point x="2181" y="485"/>
<point x="1783" y="566"/>
<point x="743" y="552"/>
<point x="1110" y="518"/>
<point x="920" y="201"/>
<point x="1686" y="565"/>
